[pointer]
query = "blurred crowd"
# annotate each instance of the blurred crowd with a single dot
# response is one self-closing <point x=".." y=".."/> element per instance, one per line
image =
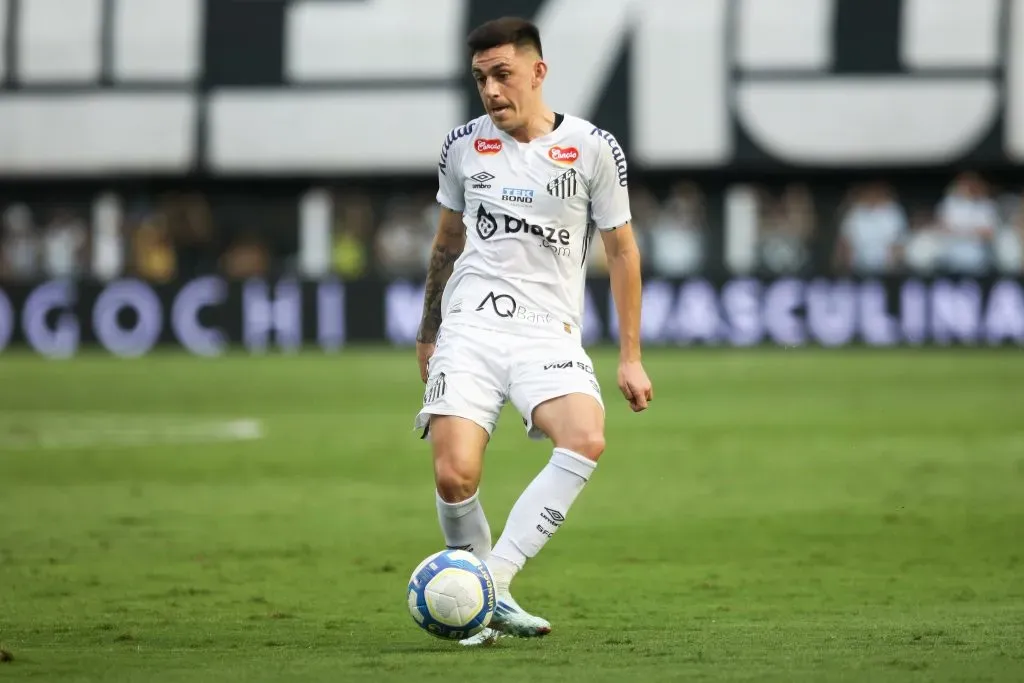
<point x="968" y="226"/>
<point x="973" y="229"/>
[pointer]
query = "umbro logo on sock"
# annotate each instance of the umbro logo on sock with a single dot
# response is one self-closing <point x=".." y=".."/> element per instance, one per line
<point x="553" y="517"/>
<point x="467" y="548"/>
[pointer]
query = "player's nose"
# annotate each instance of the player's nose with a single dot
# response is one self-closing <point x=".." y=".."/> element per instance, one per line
<point x="491" y="90"/>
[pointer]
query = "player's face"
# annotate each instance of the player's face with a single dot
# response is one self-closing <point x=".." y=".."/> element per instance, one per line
<point x="508" y="80"/>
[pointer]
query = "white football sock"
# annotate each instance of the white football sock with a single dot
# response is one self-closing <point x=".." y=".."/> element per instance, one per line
<point x="539" y="512"/>
<point x="464" y="525"/>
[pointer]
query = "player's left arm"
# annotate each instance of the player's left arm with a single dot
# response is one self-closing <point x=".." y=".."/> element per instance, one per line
<point x="609" y="201"/>
<point x="623" y="257"/>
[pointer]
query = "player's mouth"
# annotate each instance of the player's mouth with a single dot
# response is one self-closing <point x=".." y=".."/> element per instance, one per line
<point x="500" y="109"/>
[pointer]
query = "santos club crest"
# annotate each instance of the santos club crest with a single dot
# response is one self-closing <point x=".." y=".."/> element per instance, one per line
<point x="564" y="186"/>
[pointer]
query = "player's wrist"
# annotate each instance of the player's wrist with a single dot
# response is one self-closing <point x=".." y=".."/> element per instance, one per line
<point x="629" y="356"/>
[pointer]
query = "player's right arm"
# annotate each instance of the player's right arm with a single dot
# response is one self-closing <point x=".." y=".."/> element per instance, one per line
<point x="448" y="244"/>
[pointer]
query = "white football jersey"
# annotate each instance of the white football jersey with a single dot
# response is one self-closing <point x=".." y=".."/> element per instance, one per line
<point x="530" y="211"/>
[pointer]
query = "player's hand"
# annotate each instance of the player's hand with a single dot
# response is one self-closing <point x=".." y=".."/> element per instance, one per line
<point x="423" y="354"/>
<point x="635" y="385"/>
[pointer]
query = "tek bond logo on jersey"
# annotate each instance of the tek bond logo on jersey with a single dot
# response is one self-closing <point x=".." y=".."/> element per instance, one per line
<point x="557" y="240"/>
<point x="516" y="195"/>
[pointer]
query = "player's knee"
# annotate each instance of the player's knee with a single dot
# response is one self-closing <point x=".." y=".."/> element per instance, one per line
<point x="586" y="442"/>
<point x="458" y="446"/>
<point x="457" y="478"/>
<point x="454" y="485"/>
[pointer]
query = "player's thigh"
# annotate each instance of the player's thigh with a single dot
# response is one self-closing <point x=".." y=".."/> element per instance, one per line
<point x="559" y="398"/>
<point x="574" y="421"/>
<point x="463" y="398"/>
<point x="466" y="377"/>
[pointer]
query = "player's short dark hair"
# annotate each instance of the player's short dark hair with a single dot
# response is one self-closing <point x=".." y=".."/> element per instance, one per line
<point x="505" y="31"/>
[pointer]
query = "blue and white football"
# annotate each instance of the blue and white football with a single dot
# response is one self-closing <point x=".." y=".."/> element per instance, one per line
<point x="451" y="595"/>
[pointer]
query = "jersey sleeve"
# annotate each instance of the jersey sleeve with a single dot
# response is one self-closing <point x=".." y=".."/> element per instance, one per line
<point x="609" y="186"/>
<point x="450" y="183"/>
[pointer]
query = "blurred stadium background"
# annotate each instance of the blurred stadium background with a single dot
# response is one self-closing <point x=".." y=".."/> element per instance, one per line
<point x="217" y="215"/>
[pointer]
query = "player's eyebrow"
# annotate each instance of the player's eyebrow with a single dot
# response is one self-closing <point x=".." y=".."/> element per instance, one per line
<point x="500" y="65"/>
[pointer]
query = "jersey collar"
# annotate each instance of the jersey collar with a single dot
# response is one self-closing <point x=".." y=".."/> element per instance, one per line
<point x="559" y="118"/>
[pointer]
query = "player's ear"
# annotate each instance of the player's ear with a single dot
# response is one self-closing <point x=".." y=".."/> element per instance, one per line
<point x="540" y="71"/>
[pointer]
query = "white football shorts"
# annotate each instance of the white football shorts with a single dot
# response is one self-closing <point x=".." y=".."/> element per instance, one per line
<point x="475" y="371"/>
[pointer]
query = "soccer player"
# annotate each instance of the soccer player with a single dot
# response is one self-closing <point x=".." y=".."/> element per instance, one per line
<point x="522" y="190"/>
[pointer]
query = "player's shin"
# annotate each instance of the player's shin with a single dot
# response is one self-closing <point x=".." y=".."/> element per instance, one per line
<point x="464" y="525"/>
<point x="539" y="513"/>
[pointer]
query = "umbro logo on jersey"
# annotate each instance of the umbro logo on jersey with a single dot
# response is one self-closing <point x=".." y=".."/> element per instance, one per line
<point x="481" y="179"/>
<point x="564" y="186"/>
<point x="564" y="155"/>
<point x="487" y="145"/>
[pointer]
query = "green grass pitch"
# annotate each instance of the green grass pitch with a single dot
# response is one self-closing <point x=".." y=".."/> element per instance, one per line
<point x="776" y="516"/>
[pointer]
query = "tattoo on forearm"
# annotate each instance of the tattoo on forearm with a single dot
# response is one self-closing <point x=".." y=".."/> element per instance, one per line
<point x="442" y="261"/>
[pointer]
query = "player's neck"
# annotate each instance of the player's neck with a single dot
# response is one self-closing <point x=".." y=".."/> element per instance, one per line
<point x="537" y="126"/>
